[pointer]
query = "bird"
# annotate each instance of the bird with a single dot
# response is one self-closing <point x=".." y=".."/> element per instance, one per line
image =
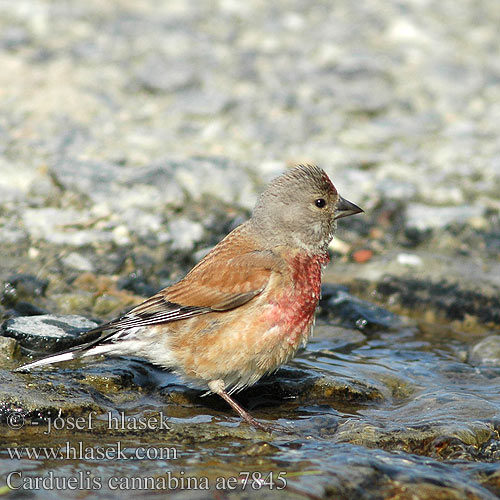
<point x="247" y="306"/>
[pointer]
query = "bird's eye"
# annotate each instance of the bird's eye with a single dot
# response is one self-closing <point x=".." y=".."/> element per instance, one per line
<point x="320" y="202"/>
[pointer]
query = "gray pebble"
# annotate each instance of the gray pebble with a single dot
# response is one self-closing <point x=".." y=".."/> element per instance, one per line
<point x="425" y="217"/>
<point x="77" y="261"/>
<point x="486" y="352"/>
<point x="48" y="332"/>
<point x="184" y="233"/>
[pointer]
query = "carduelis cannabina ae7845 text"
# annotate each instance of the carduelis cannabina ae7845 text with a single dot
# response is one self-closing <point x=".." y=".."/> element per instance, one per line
<point x="248" y="305"/>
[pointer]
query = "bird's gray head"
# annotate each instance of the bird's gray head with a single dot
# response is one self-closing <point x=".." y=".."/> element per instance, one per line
<point x="300" y="209"/>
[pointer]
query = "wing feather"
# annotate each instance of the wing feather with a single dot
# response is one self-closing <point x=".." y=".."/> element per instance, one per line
<point x="205" y="289"/>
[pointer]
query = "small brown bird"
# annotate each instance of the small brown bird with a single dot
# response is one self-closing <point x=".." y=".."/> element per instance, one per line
<point x="245" y="308"/>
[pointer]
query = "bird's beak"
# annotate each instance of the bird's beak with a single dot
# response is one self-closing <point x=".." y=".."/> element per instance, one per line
<point x="345" y="208"/>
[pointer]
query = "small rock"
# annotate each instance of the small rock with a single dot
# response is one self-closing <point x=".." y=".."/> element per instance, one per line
<point x="48" y="332"/>
<point x="136" y="283"/>
<point x="68" y="303"/>
<point x="57" y="225"/>
<point x="201" y="102"/>
<point x="260" y="449"/>
<point x="423" y="217"/>
<point x="121" y="235"/>
<point x="486" y="352"/>
<point x="158" y="75"/>
<point x="9" y="349"/>
<point x="149" y="187"/>
<point x="217" y="178"/>
<point x="360" y="314"/>
<point x="105" y="304"/>
<point x="14" y="38"/>
<point x="15" y="179"/>
<point x="363" y="255"/>
<point x="409" y="259"/>
<point x="27" y="309"/>
<point x="77" y="261"/>
<point x="11" y="234"/>
<point x="22" y="286"/>
<point x="329" y="290"/>
<point x="184" y="233"/>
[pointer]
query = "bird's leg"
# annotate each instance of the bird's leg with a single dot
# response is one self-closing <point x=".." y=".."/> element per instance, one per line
<point x="218" y="387"/>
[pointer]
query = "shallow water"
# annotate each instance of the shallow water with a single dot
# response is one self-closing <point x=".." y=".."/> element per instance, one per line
<point x="395" y="413"/>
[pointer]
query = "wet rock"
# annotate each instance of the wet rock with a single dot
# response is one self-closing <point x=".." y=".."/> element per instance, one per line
<point x="95" y="294"/>
<point x="448" y="299"/>
<point x="260" y="449"/>
<point x="308" y="386"/>
<point x="22" y="287"/>
<point x="356" y="313"/>
<point x="26" y="309"/>
<point x="329" y="290"/>
<point x="24" y="405"/>
<point x="486" y="352"/>
<point x="377" y="475"/>
<point x="9" y="349"/>
<point x="335" y="338"/>
<point x="440" y="440"/>
<point x="115" y="380"/>
<point x="47" y="333"/>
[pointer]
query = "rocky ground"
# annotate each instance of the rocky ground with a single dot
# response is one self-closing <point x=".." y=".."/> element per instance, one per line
<point x="134" y="135"/>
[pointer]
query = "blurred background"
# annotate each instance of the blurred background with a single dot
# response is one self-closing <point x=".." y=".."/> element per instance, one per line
<point x="135" y="134"/>
<point x="115" y="115"/>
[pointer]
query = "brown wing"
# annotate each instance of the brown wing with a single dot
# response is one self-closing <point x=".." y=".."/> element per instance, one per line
<point x="215" y="286"/>
<point x="224" y="283"/>
<point x="221" y="281"/>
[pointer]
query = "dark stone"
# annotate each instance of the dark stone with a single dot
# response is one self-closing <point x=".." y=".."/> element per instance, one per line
<point x="22" y="286"/>
<point x="413" y="237"/>
<point x="27" y="309"/>
<point x="136" y="283"/>
<point x="345" y="309"/>
<point x="48" y="333"/>
<point x="448" y="298"/>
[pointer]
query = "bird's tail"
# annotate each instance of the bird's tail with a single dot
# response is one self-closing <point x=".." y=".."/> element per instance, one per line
<point x="48" y="360"/>
<point x="92" y="348"/>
